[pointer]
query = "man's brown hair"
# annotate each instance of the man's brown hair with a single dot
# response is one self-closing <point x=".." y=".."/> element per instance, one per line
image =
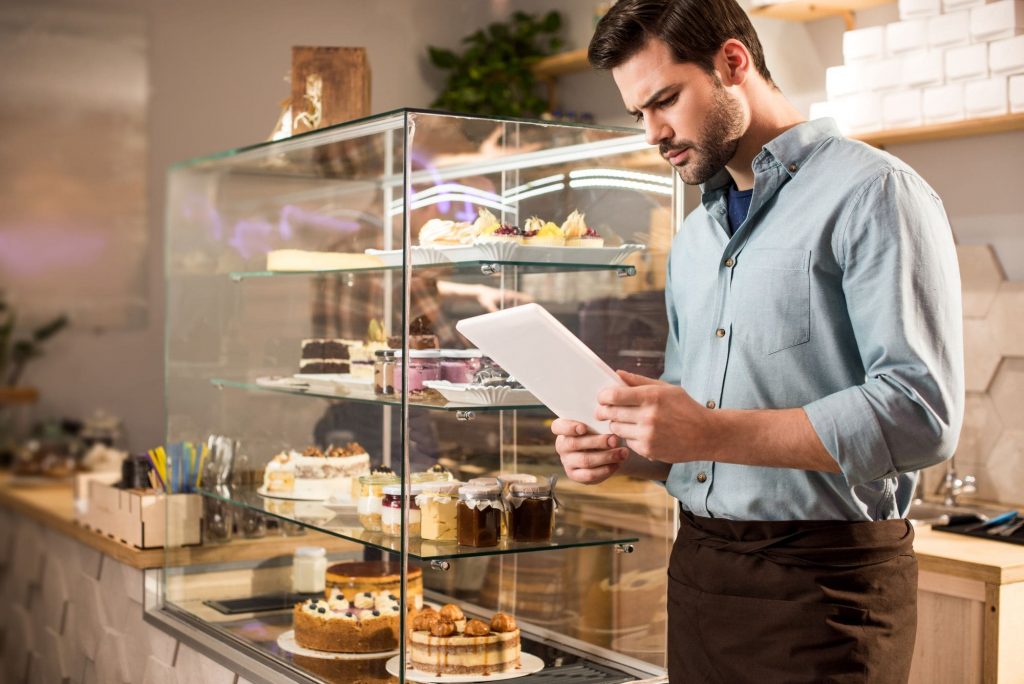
<point x="694" y="31"/>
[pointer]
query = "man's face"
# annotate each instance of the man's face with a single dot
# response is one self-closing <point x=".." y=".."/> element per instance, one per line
<point x="687" y="112"/>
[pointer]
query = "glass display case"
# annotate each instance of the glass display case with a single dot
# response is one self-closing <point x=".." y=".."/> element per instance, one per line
<point x="351" y="531"/>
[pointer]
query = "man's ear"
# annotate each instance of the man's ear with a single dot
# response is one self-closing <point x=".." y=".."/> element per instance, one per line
<point x="734" y="62"/>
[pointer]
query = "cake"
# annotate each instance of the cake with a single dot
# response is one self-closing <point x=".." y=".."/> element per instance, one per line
<point x="321" y="356"/>
<point x="503" y="233"/>
<point x="421" y="336"/>
<point x="367" y="624"/>
<point x="538" y="233"/>
<point x="359" y="577"/>
<point x="300" y="260"/>
<point x="346" y="671"/>
<point x="578" y="234"/>
<point x="315" y="474"/>
<point x="441" y="644"/>
<point x="441" y="233"/>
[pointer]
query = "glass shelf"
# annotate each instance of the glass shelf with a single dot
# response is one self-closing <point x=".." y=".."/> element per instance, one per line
<point x="483" y="266"/>
<point x="341" y="521"/>
<point x="367" y="396"/>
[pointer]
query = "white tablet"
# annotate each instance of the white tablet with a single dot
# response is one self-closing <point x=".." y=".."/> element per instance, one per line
<point x="542" y="354"/>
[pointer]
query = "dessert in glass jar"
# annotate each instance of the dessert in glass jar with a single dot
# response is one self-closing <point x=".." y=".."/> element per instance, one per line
<point x="424" y="365"/>
<point x="460" y="365"/>
<point x="391" y="510"/>
<point x="371" y="494"/>
<point x="531" y="511"/>
<point x="438" y="502"/>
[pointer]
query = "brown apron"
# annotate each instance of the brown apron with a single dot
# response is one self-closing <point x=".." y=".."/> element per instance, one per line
<point x="791" y="601"/>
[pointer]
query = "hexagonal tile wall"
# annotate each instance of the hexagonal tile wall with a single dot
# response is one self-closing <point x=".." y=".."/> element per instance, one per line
<point x="1007" y="316"/>
<point x="980" y="432"/>
<point x="981" y="356"/>
<point x="980" y="277"/>
<point x="1007" y="391"/>
<point x="1005" y="468"/>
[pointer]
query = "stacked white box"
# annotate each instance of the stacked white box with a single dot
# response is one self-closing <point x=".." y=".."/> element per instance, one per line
<point x="902" y="109"/>
<point x="882" y="75"/>
<point x="965" y="63"/>
<point x="944" y="103"/>
<point x="915" y="9"/>
<point x="1017" y="93"/>
<point x="987" y="97"/>
<point x="843" y="80"/>
<point x="1006" y="56"/>
<point x="923" y="68"/>
<point x="861" y="112"/>
<point x="905" y="36"/>
<point x="864" y="44"/>
<point x="949" y="30"/>
<point x="822" y="110"/>
<point x="1003" y="19"/>
<point x="954" y="5"/>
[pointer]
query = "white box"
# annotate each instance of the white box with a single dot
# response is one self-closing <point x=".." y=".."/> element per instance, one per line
<point x="1017" y="93"/>
<point x="987" y="97"/>
<point x="1003" y="19"/>
<point x="904" y="36"/>
<point x="915" y="9"/>
<point x="864" y="44"/>
<point x="821" y="110"/>
<point x="846" y="79"/>
<point x="881" y="75"/>
<point x="138" y="517"/>
<point x="902" y="109"/>
<point x="923" y="68"/>
<point x="1006" y="56"/>
<point x="970" y="62"/>
<point x="949" y="30"/>
<point x="943" y="103"/>
<point x="861" y="112"/>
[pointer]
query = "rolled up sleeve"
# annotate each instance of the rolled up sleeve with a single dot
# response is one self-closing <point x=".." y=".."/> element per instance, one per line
<point x="902" y="288"/>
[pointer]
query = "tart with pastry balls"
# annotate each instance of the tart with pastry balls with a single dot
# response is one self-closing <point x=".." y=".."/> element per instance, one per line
<point x="445" y="642"/>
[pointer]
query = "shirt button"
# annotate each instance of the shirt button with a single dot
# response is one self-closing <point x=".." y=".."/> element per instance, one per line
<point x="720" y="332"/>
<point x="702" y="477"/>
<point x="711" y="403"/>
<point x="729" y="262"/>
<point x="793" y="168"/>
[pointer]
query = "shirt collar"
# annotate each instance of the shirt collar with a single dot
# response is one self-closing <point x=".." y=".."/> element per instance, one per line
<point x="789" y="150"/>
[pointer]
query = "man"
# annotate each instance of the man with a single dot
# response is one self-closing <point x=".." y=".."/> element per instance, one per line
<point x="814" y="364"/>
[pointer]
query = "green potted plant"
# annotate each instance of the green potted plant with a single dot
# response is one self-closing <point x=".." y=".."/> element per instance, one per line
<point x="494" y="75"/>
<point x="17" y="350"/>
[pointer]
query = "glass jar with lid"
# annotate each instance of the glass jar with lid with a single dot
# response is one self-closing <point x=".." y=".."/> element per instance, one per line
<point x="424" y="365"/>
<point x="309" y="570"/>
<point x="531" y="511"/>
<point x="460" y="365"/>
<point x="371" y="494"/>
<point x="391" y="510"/>
<point x="384" y="371"/>
<point x="479" y="513"/>
<point x="438" y="502"/>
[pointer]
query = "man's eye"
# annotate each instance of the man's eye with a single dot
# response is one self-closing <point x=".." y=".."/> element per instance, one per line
<point x="668" y="102"/>
<point x="639" y="116"/>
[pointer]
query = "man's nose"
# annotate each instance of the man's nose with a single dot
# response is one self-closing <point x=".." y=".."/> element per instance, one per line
<point x="656" y="130"/>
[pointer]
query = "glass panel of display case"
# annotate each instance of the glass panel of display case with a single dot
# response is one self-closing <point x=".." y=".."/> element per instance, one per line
<point x="313" y="288"/>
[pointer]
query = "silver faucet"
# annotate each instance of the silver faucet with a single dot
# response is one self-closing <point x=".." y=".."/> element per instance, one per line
<point x="953" y="485"/>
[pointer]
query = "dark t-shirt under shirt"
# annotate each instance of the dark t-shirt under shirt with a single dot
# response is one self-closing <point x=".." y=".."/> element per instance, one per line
<point x="739" y="205"/>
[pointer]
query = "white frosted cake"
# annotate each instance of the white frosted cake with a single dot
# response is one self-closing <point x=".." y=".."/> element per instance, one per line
<point x="314" y="474"/>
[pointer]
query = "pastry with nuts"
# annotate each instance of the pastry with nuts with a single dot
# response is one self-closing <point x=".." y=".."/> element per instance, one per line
<point x="446" y="642"/>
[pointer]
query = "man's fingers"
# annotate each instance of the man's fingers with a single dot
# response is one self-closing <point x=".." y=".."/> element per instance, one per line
<point x="564" y="426"/>
<point x="565" y="445"/>
<point x="620" y="396"/>
<point x="590" y="460"/>
<point x="591" y="475"/>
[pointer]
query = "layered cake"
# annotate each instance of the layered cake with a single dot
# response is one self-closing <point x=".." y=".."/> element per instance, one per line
<point x="367" y="624"/>
<point x="316" y="474"/>
<point x="356" y="578"/>
<point x="320" y="356"/>
<point x="445" y="642"/>
<point x="421" y="335"/>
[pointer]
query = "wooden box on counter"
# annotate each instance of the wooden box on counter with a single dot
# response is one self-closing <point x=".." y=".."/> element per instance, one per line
<point x="138" y="516"/>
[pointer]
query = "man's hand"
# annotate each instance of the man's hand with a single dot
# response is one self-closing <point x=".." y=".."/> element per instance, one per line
<point x="587" y="459"/>
<point x="659" y="421"/>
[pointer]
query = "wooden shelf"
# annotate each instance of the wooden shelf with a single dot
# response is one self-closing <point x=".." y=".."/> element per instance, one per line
<point x="956" y="129"/>
<point x="812" y="11"/>
<point x="562" y="63"/>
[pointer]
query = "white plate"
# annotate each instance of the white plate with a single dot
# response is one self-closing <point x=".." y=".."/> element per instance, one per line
<point x="339" y="505"/>
<point x="489" y="395"/>
<point x="421" y="256"/>
<point x="287" y="642"/>
<point x="262" y="491"/>
<point x="511" y="251"/>
<point x="528" y="664"/>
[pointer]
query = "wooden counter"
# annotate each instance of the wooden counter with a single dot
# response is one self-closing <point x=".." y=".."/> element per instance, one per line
<point x="53" y="506"/>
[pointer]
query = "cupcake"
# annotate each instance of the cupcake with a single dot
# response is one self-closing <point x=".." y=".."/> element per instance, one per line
<point x="578" y="234"/>
<point x="537" y="233"/>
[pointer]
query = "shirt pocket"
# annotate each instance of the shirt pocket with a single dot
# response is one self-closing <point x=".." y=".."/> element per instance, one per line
<point x="772" y="291"/>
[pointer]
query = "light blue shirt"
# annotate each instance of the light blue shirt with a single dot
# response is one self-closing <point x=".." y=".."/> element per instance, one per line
<point x="840" y="293"/>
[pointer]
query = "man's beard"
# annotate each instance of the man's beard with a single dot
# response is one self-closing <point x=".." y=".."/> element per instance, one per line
<point x="719" y="138"/>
